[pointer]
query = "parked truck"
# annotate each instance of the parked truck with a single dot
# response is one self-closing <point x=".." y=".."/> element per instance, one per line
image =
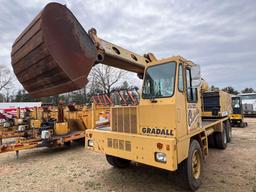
<point x="54" y="54"/>
<point x="248" y="103"/>
<point x="166" y="130"/>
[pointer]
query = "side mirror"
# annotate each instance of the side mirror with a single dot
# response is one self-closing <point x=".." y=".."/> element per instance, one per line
<point x="196" y="76"/>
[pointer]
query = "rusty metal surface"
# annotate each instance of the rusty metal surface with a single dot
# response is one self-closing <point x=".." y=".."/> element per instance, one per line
<point x="53" y="54"/>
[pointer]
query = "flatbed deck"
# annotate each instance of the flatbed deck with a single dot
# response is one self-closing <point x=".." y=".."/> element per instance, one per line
<point x="22" y="144"/>
<point x="208" y="124"/>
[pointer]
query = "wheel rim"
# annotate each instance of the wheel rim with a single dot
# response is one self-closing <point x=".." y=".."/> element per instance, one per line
<point x="196" y="164"/>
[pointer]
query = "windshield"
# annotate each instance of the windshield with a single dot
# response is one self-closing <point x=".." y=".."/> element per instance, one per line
<point x="236" y="102"/>
<point x="159" y="81"/>
<point x="249" y="97"/>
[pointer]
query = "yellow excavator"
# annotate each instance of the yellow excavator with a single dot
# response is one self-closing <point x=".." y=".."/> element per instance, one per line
<point x="54" y="54"/>
<point x="237" y="116"/>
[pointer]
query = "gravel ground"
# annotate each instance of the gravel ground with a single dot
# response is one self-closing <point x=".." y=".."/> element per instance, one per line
<point x="76" y="169"/>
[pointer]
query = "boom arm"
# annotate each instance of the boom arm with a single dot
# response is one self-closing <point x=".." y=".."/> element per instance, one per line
<point x="116" y="56"/>
<point x="54" y="54"/>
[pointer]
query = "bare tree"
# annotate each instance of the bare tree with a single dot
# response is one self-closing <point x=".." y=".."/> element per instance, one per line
<point x="103" y="78"/>
<point x="5" y="78"/>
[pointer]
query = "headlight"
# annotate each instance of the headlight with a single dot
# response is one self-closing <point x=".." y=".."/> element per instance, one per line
<point x="45" y="134"/>
<point x="160" y="157"/>
<point x="90" y="143"/>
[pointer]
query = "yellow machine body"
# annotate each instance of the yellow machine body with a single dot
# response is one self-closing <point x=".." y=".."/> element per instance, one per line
<point x="236" y="116"/>
<point x="139" y="148"/>
<point x="35" y="123"/>
<point x="61" y="128"/>
<point x="157" y="125"/>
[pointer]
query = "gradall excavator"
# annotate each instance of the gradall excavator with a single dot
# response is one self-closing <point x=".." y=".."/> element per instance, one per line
<point x="54" y="55"/>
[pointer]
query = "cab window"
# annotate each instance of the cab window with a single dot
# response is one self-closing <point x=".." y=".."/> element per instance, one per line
<point x="191" y="91"/>
<point x="180" y="79"/>
<point x="159" y="81"/>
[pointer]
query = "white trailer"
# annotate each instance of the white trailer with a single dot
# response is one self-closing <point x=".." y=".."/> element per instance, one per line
<point x="249" y="103"/>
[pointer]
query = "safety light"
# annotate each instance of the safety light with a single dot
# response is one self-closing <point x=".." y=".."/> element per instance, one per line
<point x="160" y="157"/>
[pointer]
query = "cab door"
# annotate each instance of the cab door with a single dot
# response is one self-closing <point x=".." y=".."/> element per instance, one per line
<point x="181" y="103"/>
<point x="193" y="102"/>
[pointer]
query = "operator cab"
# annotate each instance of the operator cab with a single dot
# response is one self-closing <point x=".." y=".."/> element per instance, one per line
<point x="170" y="98"/>
<point x="160" y="79"/>
<point x="237" y="105"/>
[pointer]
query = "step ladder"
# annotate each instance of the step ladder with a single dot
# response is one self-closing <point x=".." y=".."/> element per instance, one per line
<point x="204" y="143"/>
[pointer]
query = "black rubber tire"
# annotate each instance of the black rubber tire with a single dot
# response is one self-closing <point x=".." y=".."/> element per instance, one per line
<point x="186" y="167"/>
<point x="118" y="162"/>
<point x="211" y="142"/>
<point x="67" y="144"/>
<point x="228" y="127"/>
<point x="242" y="125"/>
<point x="221" y="139"/>
<point x="81" y="141"/>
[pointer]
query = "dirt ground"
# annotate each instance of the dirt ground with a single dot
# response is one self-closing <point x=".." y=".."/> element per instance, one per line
<point x="77" y="169"/>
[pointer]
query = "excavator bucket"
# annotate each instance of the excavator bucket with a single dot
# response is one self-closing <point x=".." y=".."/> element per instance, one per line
<point x="54" y="54"/>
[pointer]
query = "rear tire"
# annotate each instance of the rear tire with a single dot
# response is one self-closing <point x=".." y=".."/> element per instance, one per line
<point x="117" y="161"/>
<point x="192" y="166"/>
<point x="221" y="139"/>
<point x="228" y="131"/>
<point x="211" y="142"/>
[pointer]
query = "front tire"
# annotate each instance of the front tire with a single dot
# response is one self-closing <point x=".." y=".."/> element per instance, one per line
<point x="193" y="165"/>
<point x="117" y="161"/>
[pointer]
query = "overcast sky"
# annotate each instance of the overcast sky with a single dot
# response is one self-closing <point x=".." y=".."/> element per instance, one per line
<point x="219" y="35"/>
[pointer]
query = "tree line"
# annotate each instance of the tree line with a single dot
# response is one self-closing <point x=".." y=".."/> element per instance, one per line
<point x="233" y="91"/>
<point x="102" y="79"/>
